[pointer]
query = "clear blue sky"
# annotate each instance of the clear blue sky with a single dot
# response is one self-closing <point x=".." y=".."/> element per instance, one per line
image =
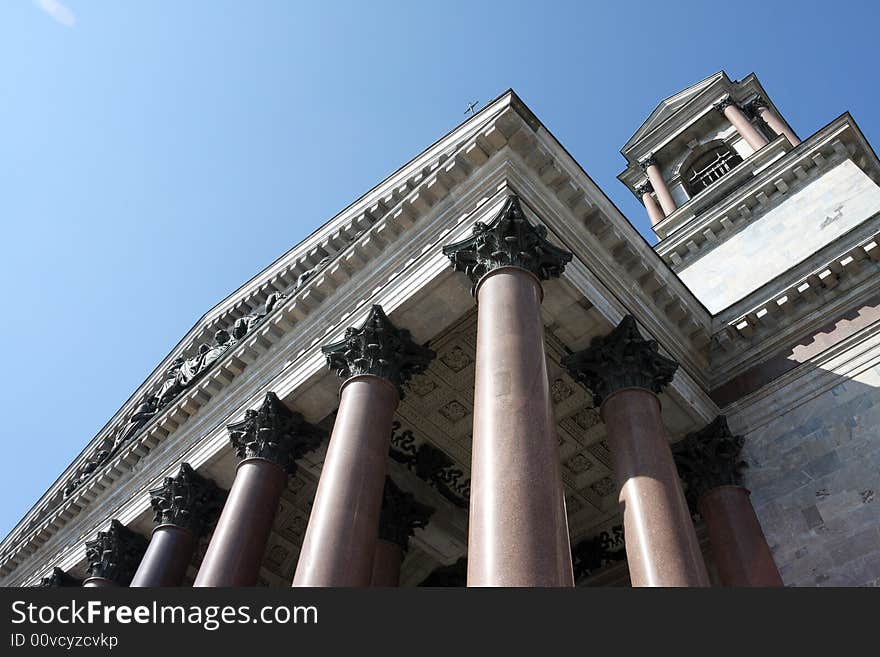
<point x="155" y="155"/>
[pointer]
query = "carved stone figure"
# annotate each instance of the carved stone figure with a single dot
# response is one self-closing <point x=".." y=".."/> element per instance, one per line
<point x="309" y="273"/>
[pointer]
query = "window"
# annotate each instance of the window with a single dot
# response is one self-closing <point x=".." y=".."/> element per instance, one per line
<point x="707" y="166"/>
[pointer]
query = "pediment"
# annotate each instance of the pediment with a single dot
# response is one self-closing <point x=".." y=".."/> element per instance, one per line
<point x="669" y="106"/>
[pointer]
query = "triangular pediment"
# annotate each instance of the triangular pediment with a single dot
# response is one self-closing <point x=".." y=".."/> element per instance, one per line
<point x="669" y="106"/>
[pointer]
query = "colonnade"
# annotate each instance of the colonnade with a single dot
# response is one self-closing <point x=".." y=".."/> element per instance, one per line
<point x="361" y="521"/>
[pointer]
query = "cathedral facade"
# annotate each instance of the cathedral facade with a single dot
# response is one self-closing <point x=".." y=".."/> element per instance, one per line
<point x="480" y="374"/>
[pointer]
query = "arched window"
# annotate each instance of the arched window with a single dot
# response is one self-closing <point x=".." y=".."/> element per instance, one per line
<point x="708" y="165"/>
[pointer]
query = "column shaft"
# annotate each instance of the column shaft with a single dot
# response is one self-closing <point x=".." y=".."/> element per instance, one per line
<point x="659" y="185"/>
<point x="386" y="564"/>
<point x="343" y="527"/>
<point x="661" y="544"/>
<point x="777" y="125"/>
<point x="167" y="557"/>
<point x="655" y="214"/>
<point x="518" y="532"/>
<point x="749" y="132"/>
<point x="738" y="544"/>
<point x="236" y="549"/>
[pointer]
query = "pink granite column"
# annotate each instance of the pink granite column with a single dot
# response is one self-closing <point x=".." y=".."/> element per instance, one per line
<point x="655" y="214"/>
<point x="185" y="508"/>
<point x="652" y="170"/>
<point x="269" y="441"/>
<point x="709" y="464"/>
<point x="386" y="564"/>
<point x="518" y="534"/>
<point x="741" y="122"/>
<point x="625" y="373"/>
<point x="340" y="541"/>
<point x="113" y="556"/>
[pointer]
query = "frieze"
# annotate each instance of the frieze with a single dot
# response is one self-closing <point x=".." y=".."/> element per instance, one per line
<point x="431" y="465"/>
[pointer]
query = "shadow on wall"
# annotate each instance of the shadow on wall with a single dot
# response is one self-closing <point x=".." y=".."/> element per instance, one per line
<point x="814" y="473"/>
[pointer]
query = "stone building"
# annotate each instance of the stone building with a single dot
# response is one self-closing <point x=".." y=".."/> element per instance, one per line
<point x="480" y="373"/>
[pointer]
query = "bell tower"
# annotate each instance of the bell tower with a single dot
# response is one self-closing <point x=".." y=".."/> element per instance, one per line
<point x="740" y="204"/>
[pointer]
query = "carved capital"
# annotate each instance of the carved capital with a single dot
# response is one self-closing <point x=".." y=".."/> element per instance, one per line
<point x="401" y="515"/>
<point x="378" y="348"/>
<point x="645" y="188"/>
<point x="754" y="106"/>
<point x="724" y="103"/>
<point x="621" y="359"/>
<point x="58" y="578"/>
<point x="115" y="554"/>
<point x="707" y="459"/>
<point x="275" y="433"/>
<point x="648" y="161"/>
<point x="509" y="240"/>
<point x="188" y="500"/>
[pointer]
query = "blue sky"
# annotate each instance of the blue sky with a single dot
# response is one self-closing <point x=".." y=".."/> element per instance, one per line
<point x="155" y="155"/>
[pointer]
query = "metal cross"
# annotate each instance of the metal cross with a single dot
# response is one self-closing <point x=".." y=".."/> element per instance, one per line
<point x="471" y="107"/>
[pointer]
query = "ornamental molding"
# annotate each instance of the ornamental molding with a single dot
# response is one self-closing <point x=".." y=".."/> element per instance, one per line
<point x="187" y="500"/>
<point x="592" y="554"/>
<point x="512" y="148"/>
<point x="752" y="334"/>
<point x="115" y="554"/>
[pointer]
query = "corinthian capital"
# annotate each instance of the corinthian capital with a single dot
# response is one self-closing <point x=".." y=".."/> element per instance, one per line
<point x="378" y="348"/>
<point x="722" y="104"/>
<point x="621" y="359"/>
<point x="709" y="458"/>
<point x="188" y="500"/>
<point x="115" y="554"/>
<point x="401" y="515"/>
<point x="648" y="161"/>
<point x="275" y="433"/>
<point x="645" y="188"/>
<point x="509" y="240"/>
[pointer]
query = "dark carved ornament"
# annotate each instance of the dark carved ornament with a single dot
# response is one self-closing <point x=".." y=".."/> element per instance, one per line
<point x="648" y="161"/>
<point x="115" y="554"/>
<point x="754" y="106"/>
<point x="724" y="103"/>
<point x="452" y="575"/>
<point x="189" y="501"/>
<point x="707" y="459"/>
<point x="378" y="348"/>
<point x="275" y="433"/>
<point x="181" y="374"/>
<point x="593" y="554"/>
<point x="509" y="240"/>
<point x="431" y="465"/>
<point x="401" y="515"/>
<point x="58" y="578"/>
<point x="645" y="188"/>
<point x="621" y="359"/>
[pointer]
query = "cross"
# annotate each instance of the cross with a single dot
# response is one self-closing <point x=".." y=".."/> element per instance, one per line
<point x="471" y="107"/>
